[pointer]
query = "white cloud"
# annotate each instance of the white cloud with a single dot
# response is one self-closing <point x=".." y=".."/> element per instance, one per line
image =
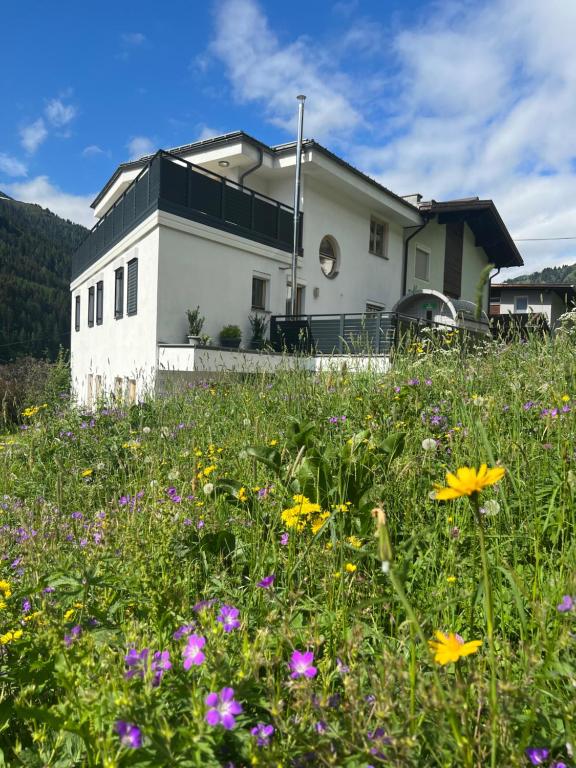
<point x="205" y="132"/>
<point x="40" y="190"/>
<point x="11" y="166"/>
<point x="139" y="146"/>
<point x="263" y="70"/>
<point x="32" y="135"/>
<point x="58" y="113"/>
<point x="133" y="38"/>
<point x="92" y="150"/>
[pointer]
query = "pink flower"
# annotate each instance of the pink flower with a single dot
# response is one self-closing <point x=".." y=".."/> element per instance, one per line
<point x="222" y="708"/>
<point x="301" y="664"/>
<point x="192" y="653"/>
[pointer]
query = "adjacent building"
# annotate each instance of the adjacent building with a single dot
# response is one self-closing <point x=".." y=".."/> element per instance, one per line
<point x="520" y="300"/>
<point x="210" y="224"/>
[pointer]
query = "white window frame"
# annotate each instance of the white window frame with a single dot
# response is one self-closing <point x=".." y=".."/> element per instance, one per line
<point x="428" y="252"/>
<point x="375" y="220"/>
<point x="521" y="311"/>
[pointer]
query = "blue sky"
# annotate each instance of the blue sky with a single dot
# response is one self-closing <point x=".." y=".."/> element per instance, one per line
<point x="449" y="99"/>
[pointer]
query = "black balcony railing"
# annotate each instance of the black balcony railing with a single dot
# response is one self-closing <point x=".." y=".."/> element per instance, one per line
<point x="170" y="184"/>
<point x="355" y="333"/>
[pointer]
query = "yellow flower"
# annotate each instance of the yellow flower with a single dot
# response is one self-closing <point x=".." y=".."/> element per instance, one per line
<point x="87" y="473"/>
<point x="337" y="575"/>
<point x="208" y="471"/>
<point x="242" y="495"/>
<point x="450" y="579"/>
<point x="565" y="398"/>
<point x="350" y="567"/>
<point x="451" y="647"/>
<point x="5" y="588"/>
<point x="5" y="639"/>
<point x="318" y="521"/>
<point x="354" y="541"/>
<point x="273" y="442"/>
<point x="69" y="612"/>
<point x="17" y="634"/>
<point x="468" y="481"/>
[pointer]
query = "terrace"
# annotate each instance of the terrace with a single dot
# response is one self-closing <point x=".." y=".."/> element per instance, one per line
<point x="170" y="184"/>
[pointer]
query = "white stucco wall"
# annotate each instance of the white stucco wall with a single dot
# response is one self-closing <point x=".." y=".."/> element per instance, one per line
<point x="126" y="347"/>
<point x="201" y="266"/>
<point x="362" y="277"/>
<point x="433" y="239"/>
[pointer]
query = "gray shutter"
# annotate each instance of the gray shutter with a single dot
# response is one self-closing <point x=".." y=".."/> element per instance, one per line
<point x="91" y="306"/>
<point x="99" y="302"/>
<point x="132" y="288"/>
<point x="119" y="293"/>
<point x="77" y="314"/>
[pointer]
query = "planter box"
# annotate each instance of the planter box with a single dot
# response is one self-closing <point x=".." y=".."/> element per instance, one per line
<point x="230" y="343"/>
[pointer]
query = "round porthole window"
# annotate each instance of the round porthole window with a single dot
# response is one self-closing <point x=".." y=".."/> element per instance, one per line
<point x="328" y="254"/>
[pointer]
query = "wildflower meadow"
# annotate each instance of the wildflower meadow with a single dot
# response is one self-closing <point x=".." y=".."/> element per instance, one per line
<point x="298" y="570"/>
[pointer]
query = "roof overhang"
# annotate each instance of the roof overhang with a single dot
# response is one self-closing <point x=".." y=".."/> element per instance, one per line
<point x="565" y="291"/>
<point x="485" y="222"/>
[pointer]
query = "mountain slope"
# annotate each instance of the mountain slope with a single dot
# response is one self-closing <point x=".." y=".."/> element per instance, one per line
<point x="35" y="252"/>
<point x="564" y="274"/>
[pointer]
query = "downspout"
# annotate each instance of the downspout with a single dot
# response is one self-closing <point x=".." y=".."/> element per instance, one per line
<point x="253" y="168"/>
<point x="405" y="257"/>
<point x="490" y="289"/>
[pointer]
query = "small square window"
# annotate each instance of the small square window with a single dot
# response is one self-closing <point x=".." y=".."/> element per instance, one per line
<point x="259" y="290"/>
<point x="521" y="304"/>
<point x="378" y="238"/>
<point x="421" y="264"/>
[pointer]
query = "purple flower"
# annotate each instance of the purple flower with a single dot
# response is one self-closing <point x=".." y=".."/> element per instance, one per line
<point x="203" y="605"/>
<point x="183" y="631"/>
<point x="192" y="653"/>
<point x="222" y="708"/>
<point x="321" y="726"/>
<point x="301" y="664"/>
<point x="228" y="617"/>
<point x="566" y="604"/>
<point x="136" y="661"/>
<point x="26" y="606"/>
<point x="75" y="633"/>
<point x="267" y="581"/>
<point x="130" y="735"/>
<point x="263" y="733"/>
<point x="341" y="667"/>
<point x="536" y="755"/>
<point x="160" y="663"/>
<point x="284" y="539"/>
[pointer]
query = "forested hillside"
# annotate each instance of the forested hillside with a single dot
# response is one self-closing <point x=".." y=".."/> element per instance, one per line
<point x="564" y="274"/>
<point x="35" y="251"/>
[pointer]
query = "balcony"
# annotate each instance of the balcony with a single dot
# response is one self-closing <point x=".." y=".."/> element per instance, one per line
<point x="172" y="185"/>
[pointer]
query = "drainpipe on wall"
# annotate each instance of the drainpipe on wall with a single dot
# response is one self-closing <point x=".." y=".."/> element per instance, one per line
<point x="301" y="99"/>
<point x="405" y="257"/>
<point x="253" y="168"/>
<point x="490" y="289"/>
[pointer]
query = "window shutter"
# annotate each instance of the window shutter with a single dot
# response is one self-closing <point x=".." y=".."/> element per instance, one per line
<point x="132" y="288"/>
<point x="453" y="259"/>
<point x="119" y="293"/>
<point x="99" y="302"/>
<point x="91" y="306"/>
<point x="77" y="314"/>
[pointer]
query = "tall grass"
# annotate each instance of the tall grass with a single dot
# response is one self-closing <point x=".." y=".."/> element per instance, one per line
<point x="117" y="525"/>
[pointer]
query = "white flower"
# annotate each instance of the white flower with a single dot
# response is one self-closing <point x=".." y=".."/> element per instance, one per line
<point x="491" y="507"/>
<point x="100" y="466"/>
<point x="429" y="444"/>
<point x="173" y="474"/>
<point x="246" y="422"/>
<point x="208" y="488"/>
<point x="146" y="430"/>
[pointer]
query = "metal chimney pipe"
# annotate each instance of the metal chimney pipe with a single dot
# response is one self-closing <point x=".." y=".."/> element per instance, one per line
<point x="301" y="100"/>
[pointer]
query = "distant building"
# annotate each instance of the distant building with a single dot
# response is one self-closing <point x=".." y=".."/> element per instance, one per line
<point x="549" y="300"/>
<point x="210" y="224"/>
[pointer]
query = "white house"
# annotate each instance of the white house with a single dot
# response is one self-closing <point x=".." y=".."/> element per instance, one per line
<point x="550" y="300"/>
<point x="210" y="224"/>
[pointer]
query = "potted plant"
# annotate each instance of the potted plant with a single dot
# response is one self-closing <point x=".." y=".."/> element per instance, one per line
<point x="230" y="336"/>
<point x="259" y="325"/>
<point x="195" y="325"/>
